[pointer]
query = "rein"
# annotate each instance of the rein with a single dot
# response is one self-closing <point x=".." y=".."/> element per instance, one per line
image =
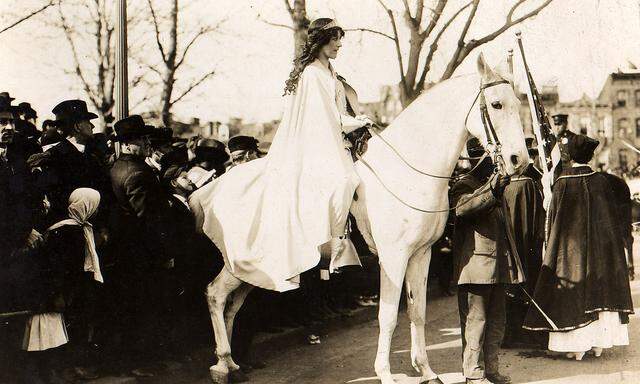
<point x="492" y="139"/>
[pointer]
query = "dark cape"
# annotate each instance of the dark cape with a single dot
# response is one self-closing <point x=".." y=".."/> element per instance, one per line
<point x="584" y="269"/>
<point x="526" y="214"/>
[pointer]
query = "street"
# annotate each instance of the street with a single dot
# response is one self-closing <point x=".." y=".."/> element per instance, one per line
<point x="346" y="355"/>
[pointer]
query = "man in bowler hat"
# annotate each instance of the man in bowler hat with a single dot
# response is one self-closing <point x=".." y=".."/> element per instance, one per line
<point x="69" y="165"/>
<point x="141" y="238"/>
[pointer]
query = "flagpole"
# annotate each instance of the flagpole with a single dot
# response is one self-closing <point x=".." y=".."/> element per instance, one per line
<point x="122" y="77"/>
<point x="548" y="160"/>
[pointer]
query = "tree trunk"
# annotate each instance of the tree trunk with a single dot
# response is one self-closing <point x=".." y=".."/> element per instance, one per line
<point x="300" y="25"/>
<point x="169" y="80"/>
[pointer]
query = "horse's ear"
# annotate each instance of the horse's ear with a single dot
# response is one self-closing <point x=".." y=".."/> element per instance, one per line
<point x="483" y="67"/>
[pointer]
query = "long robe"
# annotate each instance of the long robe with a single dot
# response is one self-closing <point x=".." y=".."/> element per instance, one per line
<point x="270" y="216"/>
<point x="584" y="270"/>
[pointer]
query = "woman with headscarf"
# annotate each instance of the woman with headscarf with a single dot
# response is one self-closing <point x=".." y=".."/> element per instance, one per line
<point x="270" y="216"/>
<point x="583" y="286"/>
<point x="71" y="268"/>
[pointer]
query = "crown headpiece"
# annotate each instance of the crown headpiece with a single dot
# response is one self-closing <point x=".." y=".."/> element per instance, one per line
<point x="332" y="24"/>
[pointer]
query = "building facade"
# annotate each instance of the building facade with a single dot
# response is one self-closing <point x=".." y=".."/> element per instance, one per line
<point x="613" y="118"/>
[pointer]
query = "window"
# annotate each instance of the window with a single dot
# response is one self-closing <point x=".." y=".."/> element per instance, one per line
<point x="622" y="159"/>
<point x="601" y="127"/>
<point x="623" y="127"/>
<point x="622" y="98"/>
<point x="637" y="97"/>
<point x="638" y="128"/>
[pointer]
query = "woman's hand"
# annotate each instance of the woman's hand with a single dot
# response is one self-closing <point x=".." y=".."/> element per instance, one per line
<point x="365" y="120"/>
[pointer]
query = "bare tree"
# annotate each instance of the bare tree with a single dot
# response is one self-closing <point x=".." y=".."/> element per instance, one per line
<point x="31" y="14"/>
<point x="174" y="53"/>
<point x="97" y="75"/>
<point x="88" y="27"/>
<point x="299" y="23"/>
<point x="413" y="73"/>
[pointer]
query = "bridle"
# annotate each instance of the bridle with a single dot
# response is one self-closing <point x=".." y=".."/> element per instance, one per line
<point x="494" y="144"/>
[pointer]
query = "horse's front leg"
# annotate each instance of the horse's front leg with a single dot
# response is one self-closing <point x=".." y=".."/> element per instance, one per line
<point x="390" y="289"/>
<point x="416" y="287"/>
<point x="217" y="293"/>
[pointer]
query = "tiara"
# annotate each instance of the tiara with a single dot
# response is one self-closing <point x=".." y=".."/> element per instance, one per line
<point x="332" y="24"/>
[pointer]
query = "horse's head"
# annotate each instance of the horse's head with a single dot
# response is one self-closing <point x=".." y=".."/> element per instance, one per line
<point x="502" y="106"/>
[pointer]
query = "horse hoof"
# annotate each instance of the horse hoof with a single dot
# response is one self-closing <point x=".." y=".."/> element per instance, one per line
<point x="218" y="376"/>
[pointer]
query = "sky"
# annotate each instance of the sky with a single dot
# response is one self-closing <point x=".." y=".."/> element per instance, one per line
<point x="573" y="44"/>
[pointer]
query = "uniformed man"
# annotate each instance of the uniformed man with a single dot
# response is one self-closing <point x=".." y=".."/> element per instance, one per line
<point x="481" y="268"/>
<point x="561" y="122"/>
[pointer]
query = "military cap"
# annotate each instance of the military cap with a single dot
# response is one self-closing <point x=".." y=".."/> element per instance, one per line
<point x="560" y="118"/>
<point x="6" y="98"/>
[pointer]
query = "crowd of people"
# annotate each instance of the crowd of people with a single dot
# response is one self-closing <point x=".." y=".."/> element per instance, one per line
<point x="101" y="260"/>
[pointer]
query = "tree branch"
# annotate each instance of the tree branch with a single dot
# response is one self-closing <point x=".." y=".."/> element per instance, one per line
<point x="434" y="20"/>
<point x="274" y="24"/>
<point x="369" y="30"/>
<point x="203" y="31"/>
<point x="396" y="40"/>
<point x="78" y="70"/>
<point x="434" y="46"/>
<point x="289" y="7"/>
<point x="193" y="86"/>
<point x="27" y="17"/>
<point x="508" y="23"/>
<point x="463" y="50"/>
<point x="156" y="25"/>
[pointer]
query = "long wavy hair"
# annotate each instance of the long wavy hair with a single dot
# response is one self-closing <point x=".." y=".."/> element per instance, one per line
<point x="317" y="37"/>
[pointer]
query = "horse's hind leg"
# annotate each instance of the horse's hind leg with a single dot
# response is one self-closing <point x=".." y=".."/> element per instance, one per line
<point x="217" y="293"/>
<point x="390" y="289"/>
<point x="416" y="287"/>
<point x="234" y="304"/>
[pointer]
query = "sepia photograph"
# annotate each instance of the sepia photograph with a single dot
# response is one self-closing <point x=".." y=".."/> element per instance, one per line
<point x="319" y="191"/>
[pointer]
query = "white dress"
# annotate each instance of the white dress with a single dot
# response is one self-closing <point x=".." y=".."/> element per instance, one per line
<point x="605" y="332"/>
<point x="270" y="216"/>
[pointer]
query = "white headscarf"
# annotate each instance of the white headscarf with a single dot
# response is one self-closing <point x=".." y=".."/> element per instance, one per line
<point x="83" y="203"/>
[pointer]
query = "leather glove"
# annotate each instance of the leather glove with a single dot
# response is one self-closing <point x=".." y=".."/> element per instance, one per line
<point x="498" y="184"/>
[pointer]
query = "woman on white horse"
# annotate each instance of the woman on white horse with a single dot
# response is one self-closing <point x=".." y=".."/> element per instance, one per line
<point x="297" y="198"/>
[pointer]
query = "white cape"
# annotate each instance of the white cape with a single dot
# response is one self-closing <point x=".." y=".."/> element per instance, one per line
<point x="270" y="216"/>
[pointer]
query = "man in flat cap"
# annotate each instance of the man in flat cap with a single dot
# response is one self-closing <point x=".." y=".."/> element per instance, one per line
<point x="69" y="165"/>
<point x="141" y="238"/>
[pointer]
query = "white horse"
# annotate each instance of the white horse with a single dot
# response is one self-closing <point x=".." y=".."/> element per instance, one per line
<point x="429" y="135"/>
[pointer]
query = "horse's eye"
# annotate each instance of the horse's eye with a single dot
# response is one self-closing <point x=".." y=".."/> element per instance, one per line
<point x="496" y="105"/>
